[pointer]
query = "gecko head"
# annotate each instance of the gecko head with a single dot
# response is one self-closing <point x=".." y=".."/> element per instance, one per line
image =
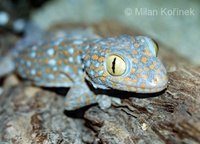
<point x="126" y="63"/>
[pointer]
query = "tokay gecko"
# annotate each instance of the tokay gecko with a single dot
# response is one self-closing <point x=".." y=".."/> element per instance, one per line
<point x="123" y="63"/>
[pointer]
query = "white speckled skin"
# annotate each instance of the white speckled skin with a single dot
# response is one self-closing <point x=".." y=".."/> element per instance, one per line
<point x="66" y="62"/>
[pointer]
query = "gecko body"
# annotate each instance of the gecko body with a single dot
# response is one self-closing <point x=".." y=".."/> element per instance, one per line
<point x="124" y="63"/>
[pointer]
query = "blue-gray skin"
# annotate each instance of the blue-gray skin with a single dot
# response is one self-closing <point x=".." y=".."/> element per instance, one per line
<point x="123" y="63"/>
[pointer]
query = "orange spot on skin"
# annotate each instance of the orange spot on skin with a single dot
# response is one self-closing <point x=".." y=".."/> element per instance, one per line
<point x="117" y="78"/>
<point x="105" y="74"/>
<point x="132" y="71"/>
<point x="152" y="66"/>
<point x="114" y="84"/>
<point x="39" y="73"/>
<point x="138" y="75"/>
<point x="99" y="48"/>
<point x="129" y="56"/>
<point x="134" y="52"/>
<point x="74" y="46"/>
<point x="165" y="76"/>
<point x="135" y="60"/>
<point x="48" y="70"/>
<point x="66" y="105"/>
<point x="64" y="80"/>
<point x="146" y="52"/>
<point x="75" y="66"/>
<point x="63" y="44"/>
<point x="92" y="67"/>
<point x="127" y="78"/>
<point x="66" y="53"/>
<point x="59" y="62"/>
<point x="133" y="41"/>
<point x="127" y="46"/>
<point x="157" y="71"/>
<point x="134" y="81"/>
<point x="53" y="56"/>
<point x="86" y="57"/>
<point x="46" y="61"/>
<point x="145" y="77"/>
<point x="143" y="86"/>
<point x="146" y="69"/>
<point x="107" y="51"/>
<point x="94" y="57"/>
<point x="128" y="87"/>
<point x="79" y="100"/>
<point x="136" y="45"/>
<point x="43" y="53"/>
<point x="56" y="74"/>
<point x="150" y="89"/>
<point x="55" y="47"/>
<point x="101" y="59"/>
<point x="99" y="68"/>
<point x="144" y="60"/>
<point x="76" y="53"/>
<point x="108" y="44"/>
<point x="103" y="79"/>
<point x="87" y="100"/>
<point x="66" y="61"/>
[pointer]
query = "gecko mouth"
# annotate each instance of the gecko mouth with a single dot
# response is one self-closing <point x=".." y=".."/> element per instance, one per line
<point x="117" y="85"/>
<point x="131" y="88"/>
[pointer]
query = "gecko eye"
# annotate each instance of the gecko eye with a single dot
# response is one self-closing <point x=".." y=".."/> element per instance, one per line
<point x="155" y="46"/>
<point x="115" y="65"/>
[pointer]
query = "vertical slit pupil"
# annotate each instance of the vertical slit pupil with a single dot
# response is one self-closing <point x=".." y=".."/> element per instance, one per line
<point x="113" y="65"/>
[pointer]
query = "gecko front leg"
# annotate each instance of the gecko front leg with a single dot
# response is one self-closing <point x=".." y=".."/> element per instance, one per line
<point x="80" y="96"/>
